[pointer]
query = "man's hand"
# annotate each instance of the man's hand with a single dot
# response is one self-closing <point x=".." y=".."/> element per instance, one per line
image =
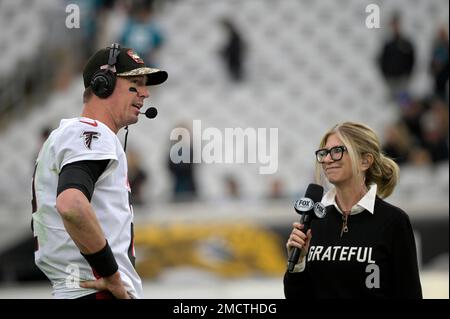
<point x="112" y="284"/>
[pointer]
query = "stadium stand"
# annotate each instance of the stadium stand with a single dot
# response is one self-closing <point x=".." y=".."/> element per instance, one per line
<point x="309" y="65"/>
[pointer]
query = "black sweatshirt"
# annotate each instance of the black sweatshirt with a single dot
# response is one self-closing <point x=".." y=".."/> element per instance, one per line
<point x="376" y="258"/>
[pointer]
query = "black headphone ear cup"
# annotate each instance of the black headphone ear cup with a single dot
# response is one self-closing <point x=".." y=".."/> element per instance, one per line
<point x="103" y="83"/>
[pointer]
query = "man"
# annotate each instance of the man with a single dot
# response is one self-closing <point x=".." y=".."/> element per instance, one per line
<point x="397" y="59"/>
<point x="84" y="238"/>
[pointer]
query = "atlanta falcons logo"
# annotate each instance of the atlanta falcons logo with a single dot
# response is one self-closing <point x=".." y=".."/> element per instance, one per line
<point x="88" y="137"/>
<point x="135" y="56"/>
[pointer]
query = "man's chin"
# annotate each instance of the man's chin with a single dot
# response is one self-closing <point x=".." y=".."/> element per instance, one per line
<point x="133" y="120"/>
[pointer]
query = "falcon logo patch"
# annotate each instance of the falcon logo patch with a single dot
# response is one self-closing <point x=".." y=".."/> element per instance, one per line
<point x="88" y="136"/>
<point x="135" y="57"/>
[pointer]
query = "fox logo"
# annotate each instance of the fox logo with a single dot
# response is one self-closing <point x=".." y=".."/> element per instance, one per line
<point x="88" y="136"/>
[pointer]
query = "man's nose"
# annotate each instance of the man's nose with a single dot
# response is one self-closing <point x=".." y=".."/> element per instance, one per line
<point x="144" y="92"/>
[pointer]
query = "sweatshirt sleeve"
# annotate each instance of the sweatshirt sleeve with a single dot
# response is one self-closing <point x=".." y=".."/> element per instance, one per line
<point x="406" y="272"/>
<point x="298" y="285"/>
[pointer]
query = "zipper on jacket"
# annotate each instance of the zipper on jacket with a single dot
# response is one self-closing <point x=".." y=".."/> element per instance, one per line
<point x="344" y="228"/>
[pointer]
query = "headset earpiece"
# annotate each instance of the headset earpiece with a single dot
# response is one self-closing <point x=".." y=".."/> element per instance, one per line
<point x="103" y="83"/>
<point x="104" y="80"/>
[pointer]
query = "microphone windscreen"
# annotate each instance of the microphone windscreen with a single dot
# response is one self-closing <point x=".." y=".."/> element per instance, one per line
<point x="151" y="112"/>
<point x="314" y="192"/>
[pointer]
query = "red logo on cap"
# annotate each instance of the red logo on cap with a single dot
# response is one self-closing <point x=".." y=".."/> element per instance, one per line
<point x="135" y="56"/>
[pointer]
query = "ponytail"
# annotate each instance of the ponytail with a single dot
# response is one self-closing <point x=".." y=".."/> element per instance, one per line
<point x="385" y="173"/>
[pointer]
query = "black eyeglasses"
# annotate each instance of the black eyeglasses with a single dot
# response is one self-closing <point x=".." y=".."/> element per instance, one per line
<point x="335" y="152"/>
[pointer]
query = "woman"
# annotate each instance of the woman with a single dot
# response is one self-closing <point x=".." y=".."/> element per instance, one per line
<point x="364" y="247"/>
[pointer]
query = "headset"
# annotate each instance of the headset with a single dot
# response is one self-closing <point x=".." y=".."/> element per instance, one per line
<point x="104" y="80"/>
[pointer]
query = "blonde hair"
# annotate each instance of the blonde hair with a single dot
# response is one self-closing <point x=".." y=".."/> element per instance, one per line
<point x="359" y="140"/>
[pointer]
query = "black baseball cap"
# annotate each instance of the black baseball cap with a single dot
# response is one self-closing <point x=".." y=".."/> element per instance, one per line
<point x="128" y="63"/>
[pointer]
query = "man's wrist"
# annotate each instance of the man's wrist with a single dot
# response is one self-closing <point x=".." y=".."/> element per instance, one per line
<point x="103" y="261"/>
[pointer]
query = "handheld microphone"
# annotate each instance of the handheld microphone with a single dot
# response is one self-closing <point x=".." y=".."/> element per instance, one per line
<point x="308" y="207"/>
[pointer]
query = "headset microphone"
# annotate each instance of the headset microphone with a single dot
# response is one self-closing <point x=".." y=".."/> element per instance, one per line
<point x="151" y="112"/>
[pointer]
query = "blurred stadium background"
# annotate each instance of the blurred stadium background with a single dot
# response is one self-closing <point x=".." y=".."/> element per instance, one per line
<point x="307" y="65"/>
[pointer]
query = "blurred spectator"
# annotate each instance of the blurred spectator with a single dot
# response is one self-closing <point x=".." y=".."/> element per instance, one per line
<point x="276" y="189"/>
<point x="137" y="177"/>
<point x="113" y="24"/>
<point x="440" y="109"/>
<point x="397" y="143"/>
<point x="232" y="187"/>
<point x="418" y="156"/>
<point x="411" y="113"/>
<point x="439" y="64"/>
<point x="92" y="15"/>
<point x="141" y="32"/>
<point x="181" y="165"/>
<point x="233" y="51"/>
<point x="435" y="131"/>
<point x="66" y="68"/>
<point x="396" y="60"/>
<point x="427" y="125"/>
